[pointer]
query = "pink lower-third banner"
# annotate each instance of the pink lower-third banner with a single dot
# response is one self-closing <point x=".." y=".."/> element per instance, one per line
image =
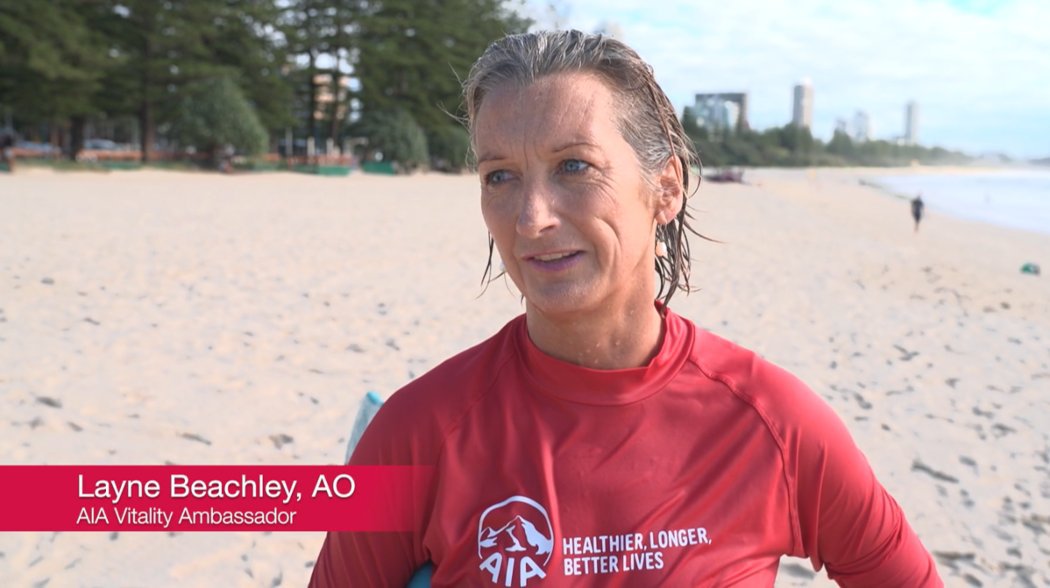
<point x="212" y="498"/>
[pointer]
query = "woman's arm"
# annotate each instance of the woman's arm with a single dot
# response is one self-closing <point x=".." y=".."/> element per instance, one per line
<point x="373" y="558"/>
<point x="848" y="522"/>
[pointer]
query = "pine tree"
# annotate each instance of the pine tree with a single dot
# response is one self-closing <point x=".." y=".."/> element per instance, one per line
<point x="167" y="45"/>
<point x="51" y="62"/>
<point x="161" y="47"/>
<point x="413" y="54"/>
<point x="244" y="40"/>
<point x="318" y="32"/>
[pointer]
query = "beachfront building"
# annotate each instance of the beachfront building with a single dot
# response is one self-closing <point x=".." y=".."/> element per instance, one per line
<point x="802" y="113"/>
<point x="911" y="123"/>
<point x="725" y="111"/>
<point x="862" y="126"/>
<point x="326" y="96"/>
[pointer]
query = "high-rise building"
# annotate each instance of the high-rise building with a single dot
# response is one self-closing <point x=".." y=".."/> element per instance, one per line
<point x="325" y="95"/>
<point x="862" y="126"/>
<point x="724" y="111"/>
<point x="911" y="123"/>
<point x="802" y="114"/>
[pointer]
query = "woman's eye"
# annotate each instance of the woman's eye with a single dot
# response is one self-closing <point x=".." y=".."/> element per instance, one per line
<point x="574" y="166"/>
<point x="496" y="177"/>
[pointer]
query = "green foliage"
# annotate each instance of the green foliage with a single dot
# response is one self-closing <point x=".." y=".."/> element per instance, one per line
<point x="413" y="53"/>
<point x="449" y="146"/>
<point x="67" y="63"/>
<point x="793" y="146"/>
<point x="397" y="136"/>
<point x="689" y="124"/>
<point x="321" y="31"/>
<point x="51" y="60"/>
<point x="214" y="113"/>
<point x="70" y="60"/>
<point x="164" y="46"/>
<point x="141" y="66"/>
<point x="841" y="144"/>
<point x="235" y="40"/>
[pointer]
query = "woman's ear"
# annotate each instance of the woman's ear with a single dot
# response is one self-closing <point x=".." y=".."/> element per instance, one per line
<point x="670" y="195"/>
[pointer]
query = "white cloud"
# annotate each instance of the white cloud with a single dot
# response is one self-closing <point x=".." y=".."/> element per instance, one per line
<point x="979" y="74"/>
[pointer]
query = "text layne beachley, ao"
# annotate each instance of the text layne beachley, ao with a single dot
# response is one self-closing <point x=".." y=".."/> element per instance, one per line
<point x="182" y="486"/>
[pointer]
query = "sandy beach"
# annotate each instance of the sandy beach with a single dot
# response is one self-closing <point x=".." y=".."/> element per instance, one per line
<point x="158" y="317"/>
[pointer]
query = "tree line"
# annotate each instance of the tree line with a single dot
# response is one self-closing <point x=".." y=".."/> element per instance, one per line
<point x="246" y="73"/>
<point x="252" y="74"/>
<point x="792" y="146"/>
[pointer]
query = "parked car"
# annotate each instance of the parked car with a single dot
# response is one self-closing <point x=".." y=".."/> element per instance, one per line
<point x="101" y="145"/>
<point x="34" y="149"/>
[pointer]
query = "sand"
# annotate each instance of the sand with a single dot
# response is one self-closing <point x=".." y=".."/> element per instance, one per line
<point x="152" y="317"/>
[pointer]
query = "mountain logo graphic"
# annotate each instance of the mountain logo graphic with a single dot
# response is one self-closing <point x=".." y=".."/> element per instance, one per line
<point x="515" y="541"/>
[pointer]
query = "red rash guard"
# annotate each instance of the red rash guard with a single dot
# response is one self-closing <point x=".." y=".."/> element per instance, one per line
<point x="701" y="469"/>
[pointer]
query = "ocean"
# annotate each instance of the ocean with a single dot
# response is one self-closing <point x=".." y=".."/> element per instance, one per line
<point x="1011" y="198"/>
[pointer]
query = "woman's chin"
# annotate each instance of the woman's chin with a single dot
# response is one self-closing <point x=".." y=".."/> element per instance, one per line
<point x="561" y="301"/>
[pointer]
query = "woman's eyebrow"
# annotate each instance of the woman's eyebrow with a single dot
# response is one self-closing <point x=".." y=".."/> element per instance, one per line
<point x="489" y="156"/>
<point x="575" y="143"/>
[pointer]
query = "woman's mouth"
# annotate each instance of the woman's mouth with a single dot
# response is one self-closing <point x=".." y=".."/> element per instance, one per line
<point x="554" y="261"/>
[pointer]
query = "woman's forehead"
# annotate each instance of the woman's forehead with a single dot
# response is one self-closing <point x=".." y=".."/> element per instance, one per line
<point x="568" y="87"/>
<point x="557" y="110"/>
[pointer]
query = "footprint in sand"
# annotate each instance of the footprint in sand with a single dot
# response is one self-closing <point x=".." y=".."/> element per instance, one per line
<point x="906" y="355"/>
<point x="918" y="466"/>
<point x="280" y="440"/>
<point x="861" y="401"/>
<point x="48" y="401"/>
<point x="195" y="437"/>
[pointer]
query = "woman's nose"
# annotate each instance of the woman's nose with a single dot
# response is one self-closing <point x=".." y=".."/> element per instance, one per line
<point x="537" y="210"/>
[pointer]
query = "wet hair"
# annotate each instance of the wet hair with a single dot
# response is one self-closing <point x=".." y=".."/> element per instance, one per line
<point x="647" y="120"/>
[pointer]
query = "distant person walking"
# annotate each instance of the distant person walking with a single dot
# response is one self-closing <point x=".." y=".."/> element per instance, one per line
<point x="7" y="149"/>
<point x="917" y="207"/>
<point x="226" y="163"/>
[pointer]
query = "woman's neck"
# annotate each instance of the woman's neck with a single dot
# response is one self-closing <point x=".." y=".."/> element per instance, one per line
<point x="599" y="340"/>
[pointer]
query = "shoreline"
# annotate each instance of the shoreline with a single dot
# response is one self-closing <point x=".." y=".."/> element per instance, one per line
<point x="960" y="204"/>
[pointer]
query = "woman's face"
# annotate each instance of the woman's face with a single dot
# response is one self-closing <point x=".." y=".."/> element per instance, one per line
<point x="565" y="198"/>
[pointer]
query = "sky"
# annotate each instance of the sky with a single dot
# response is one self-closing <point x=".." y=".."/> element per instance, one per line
<point x="978" y="69"/>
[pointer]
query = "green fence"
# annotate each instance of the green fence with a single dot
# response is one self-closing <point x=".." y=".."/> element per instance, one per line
<point x="379" y="167"/>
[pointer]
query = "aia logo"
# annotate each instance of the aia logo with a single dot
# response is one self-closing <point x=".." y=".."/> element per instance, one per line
<point x="515" y="540"/>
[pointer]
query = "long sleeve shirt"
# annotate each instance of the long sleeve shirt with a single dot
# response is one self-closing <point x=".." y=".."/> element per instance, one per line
<point x="699" y="469"/>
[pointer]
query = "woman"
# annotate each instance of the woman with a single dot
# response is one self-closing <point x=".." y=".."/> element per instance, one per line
<point x="600" y="439"/>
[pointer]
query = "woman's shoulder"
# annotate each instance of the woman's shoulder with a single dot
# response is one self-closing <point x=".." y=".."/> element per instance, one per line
<point x="735" y="366"/>
<point x="465" y="375"/>
<point x="412" y="423"/>
<point x="782" y="399"/>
